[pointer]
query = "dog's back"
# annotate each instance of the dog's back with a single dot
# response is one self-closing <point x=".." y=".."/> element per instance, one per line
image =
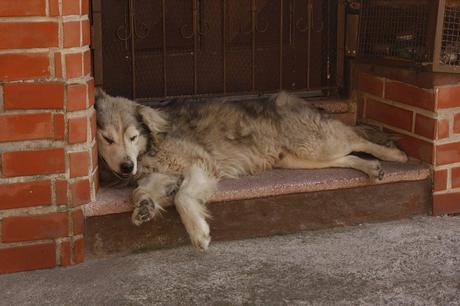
<point x="244" y="136"/>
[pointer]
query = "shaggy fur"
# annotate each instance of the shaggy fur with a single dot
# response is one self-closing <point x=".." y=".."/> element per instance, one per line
<point x="178" y="153"/>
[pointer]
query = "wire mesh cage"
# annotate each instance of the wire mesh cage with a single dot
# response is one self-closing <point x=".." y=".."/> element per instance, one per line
<point x="449" y="45"/>
<point x="422" y="33"/>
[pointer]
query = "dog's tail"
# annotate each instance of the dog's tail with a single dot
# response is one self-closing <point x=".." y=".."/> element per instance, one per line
<point x="377" y="136"/>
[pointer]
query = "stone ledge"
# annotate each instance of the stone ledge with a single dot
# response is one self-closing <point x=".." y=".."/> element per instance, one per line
<point x="272" y="183"/>
<point x="333" y="106"/>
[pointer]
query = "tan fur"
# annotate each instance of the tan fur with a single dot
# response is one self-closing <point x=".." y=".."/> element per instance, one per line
<point x="195" y="144"/>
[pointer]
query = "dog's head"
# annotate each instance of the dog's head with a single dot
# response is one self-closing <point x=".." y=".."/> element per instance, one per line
<point x="125" y="130"/>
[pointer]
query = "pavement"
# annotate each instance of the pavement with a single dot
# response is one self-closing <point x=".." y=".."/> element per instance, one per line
<point x="408" y="262"/>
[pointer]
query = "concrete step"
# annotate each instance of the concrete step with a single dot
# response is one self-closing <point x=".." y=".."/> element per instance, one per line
<point x="274" y="202"/>
<point x="340" y="109"/>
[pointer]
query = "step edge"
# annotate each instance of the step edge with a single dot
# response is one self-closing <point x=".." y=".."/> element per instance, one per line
<point x="119" y="201"/>
<point x="325" y="186"/>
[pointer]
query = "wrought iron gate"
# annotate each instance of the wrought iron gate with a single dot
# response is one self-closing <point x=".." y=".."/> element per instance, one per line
<point x="162" y="48"/>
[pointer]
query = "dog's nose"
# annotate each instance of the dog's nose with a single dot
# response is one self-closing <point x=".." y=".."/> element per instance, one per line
<point x="127" y="167"/>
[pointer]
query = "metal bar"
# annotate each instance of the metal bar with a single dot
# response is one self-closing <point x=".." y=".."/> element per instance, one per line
<point x="309" y="26"/>
<point x="438" y="35"/>
<point x="291" y="18"/>
<point x="328" y="41"/>
<point x="328" y="44"/>
<point x="253" y="31"/>
<point x="133" y="50"/>
<point x="340" y="43"/>
<point x="360" y="30"/>
<point x="126" y="23"/>
<point x="224" y="43"/>
<point x="281" y="44"/>
<point x="195" y="46"/>
<point x="163" y="8"/>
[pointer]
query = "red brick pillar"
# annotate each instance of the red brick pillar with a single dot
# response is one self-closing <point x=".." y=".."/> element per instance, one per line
<point x="48" y="158"/>
<point x="428" y="120"/>
<point x="447" y="151"/>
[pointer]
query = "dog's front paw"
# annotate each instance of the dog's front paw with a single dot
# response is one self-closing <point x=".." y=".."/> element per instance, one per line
<point x="200" y="236"/>
<point x="143" y="212"/>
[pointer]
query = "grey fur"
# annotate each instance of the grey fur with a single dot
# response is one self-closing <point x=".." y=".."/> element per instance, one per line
<point x="203" y="142"/>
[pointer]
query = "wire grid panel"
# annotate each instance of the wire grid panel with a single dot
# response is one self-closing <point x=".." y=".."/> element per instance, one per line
<point x="396" y="29"/>
<point x="450" y="49"/>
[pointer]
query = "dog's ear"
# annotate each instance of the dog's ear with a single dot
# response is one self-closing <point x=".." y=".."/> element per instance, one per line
<point x="155" y="120"/>
<point x="99" y="96"/>
<point x="100" y="93"/>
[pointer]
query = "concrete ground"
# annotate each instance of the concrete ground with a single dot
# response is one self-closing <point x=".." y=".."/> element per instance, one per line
<point x="410" y="262"/>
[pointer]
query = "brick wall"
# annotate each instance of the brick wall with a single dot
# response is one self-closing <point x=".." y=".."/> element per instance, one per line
<point x="47" y="148"/>
<point x="429" y="121"/>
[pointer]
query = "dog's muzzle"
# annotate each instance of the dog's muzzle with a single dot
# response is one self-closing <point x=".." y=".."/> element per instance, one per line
<point x="127" y="167"/>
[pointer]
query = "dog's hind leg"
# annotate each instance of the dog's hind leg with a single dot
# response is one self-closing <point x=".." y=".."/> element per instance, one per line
<point x="370" y="167"/>
<point x="153" y="194"/>
<point x="190" y="201"/>
<point x="379" y="151"/>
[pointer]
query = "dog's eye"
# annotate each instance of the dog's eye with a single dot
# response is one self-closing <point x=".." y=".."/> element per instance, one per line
<point x="109" y="141"/>
<point x="133" y="138"/>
